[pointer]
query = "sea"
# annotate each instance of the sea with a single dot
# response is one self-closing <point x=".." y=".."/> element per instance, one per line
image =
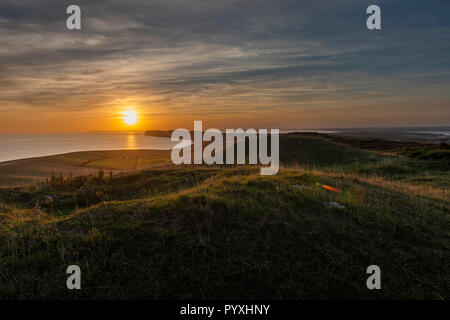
<point x="21" y="146"/>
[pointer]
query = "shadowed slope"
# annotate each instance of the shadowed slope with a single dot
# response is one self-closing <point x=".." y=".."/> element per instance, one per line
<point x="236" y="235"/>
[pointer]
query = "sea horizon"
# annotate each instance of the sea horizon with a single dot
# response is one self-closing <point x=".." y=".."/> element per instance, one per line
<point x="31" y="145"/>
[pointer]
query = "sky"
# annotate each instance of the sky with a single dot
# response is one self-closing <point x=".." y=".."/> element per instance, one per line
<point x="231" y="64"/>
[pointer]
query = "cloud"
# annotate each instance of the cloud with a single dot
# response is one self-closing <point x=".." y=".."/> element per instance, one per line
<point x="211" y="57"/>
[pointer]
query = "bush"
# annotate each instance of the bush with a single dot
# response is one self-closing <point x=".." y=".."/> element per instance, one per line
<point x="442" y="155"/>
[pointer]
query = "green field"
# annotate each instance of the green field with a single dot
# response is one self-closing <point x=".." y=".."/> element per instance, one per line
<point x="198" y="232"/>
<point x="26" y="171"/>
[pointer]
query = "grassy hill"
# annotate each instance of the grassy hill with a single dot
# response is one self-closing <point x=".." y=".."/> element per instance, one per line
<point x="227" y="232"/>
<point x="317" y="151"/>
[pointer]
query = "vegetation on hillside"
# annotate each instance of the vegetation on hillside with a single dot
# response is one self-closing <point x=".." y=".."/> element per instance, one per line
<point x="228" y="232"/>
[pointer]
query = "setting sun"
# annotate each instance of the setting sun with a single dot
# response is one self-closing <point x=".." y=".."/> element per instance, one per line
<point x="130" y="117"/>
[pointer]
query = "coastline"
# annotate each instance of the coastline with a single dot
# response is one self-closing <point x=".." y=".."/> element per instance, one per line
<point x="80" y="163"/>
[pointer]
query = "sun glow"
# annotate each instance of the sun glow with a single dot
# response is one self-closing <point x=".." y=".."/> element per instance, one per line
<point x="130" y="117"/>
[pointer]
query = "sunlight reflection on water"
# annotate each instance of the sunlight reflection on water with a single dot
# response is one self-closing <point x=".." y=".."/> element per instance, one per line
<point x="20" y="146"/>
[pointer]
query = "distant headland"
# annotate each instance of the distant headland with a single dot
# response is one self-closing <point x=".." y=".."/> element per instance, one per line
<point x="159" y="133"/>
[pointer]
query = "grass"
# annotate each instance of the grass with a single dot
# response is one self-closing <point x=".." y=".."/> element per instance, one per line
<point x="319" y="152"/>
<point x="199" y="232"/>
